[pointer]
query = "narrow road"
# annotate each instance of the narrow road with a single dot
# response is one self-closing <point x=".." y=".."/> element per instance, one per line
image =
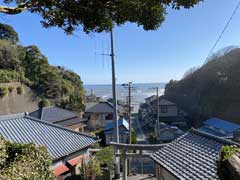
<point x="141" y="165"/>
<point x="141" y="138"/>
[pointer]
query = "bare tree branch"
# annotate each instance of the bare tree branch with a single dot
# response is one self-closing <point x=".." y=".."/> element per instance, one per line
<point x="14" y="10"/>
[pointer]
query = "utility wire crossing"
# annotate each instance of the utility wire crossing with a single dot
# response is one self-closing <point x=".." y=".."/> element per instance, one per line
<point x="224" y="29"/>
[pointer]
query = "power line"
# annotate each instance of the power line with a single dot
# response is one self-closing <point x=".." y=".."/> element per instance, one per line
<point x="224" y="29"/>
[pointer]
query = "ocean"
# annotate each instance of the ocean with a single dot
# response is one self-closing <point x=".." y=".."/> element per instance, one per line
<point x="142" y="91"/>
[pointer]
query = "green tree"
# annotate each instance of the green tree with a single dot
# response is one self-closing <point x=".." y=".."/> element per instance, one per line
<point x="134" y="137"/>
<point x="91" y="170"/>
<point x="105" y="157"/>
<point x="34" y="63"/>
<point x="24" y="161"/>
<point x="8" y="56"/>
<point x="8" y="33"/>
<point x="97" y="16"/>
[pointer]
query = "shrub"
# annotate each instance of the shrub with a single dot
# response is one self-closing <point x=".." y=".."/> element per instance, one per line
<point x="7" y="76"/>
<point x="24" y="161"/>
<point x="3" y="92"/>
<point x="223" y="164"/>
<point x="10" y="89"/>
<point x="20" y="89"/>
<point x="44" y="103"/>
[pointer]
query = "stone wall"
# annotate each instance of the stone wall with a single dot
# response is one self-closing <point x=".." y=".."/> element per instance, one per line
<point x="18" y="103"/>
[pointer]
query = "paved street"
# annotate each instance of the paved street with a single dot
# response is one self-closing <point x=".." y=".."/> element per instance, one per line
<point x="141" y="165"/>
<point x="141" y="138"/>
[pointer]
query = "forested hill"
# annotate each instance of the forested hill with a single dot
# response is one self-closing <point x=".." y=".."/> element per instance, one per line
<point x="212" y="90"/>
<point x="27" y="65"/>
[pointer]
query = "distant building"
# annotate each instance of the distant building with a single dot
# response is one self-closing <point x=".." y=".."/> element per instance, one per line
<point x="123" y="131"/>
<point x="168" y="133"/>
<point x="150" y="99"/>
<point x="60" y="117"/>
<point x="193" y="156"/>
<point x="219" y="127"/>
<point x="169" y="112"/>
<point x="66" y="147"/>
<point x="98" y="114"/>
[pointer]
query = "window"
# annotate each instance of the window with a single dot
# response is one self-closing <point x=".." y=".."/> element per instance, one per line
<point x="109" y="117"/>
<point x="164" y="109"/>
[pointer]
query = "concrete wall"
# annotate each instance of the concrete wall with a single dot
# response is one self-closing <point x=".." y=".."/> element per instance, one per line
<point x="18" y="103"/>
<point x="163" y="174"/>
<point x="97" y="121"/>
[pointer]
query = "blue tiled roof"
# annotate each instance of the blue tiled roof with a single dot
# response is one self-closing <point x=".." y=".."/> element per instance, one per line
<point x="59" y="141"/>
<point x="222" y="124"/>
<point x="121" y="122"/>
<point x="193" y="156"/>
<point x="213" y="132"/>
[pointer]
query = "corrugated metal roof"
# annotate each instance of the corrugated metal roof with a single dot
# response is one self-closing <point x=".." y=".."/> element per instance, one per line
<point x="222" y="124"/>
<point x="58" y="140"/>
<point x="192" y="156"/>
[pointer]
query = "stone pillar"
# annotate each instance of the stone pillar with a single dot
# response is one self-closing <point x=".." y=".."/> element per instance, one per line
<point x="125" y="165"/>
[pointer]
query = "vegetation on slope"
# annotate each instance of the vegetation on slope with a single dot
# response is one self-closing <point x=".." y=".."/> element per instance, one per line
<point x="29" y="66"/>
<point x="211" y="90"/>
<point x="22" y="161"/>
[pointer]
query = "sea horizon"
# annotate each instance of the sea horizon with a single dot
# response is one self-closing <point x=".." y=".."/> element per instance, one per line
<point x="142" y="91"/>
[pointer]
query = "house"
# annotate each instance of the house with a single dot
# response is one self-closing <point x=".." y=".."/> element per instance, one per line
<point x="150" y="99"/>
<point x="60" y="117"/>
<point x="219" y="127"/>
<point x="123" y="131"/>
<point x="192" y="156"/>
<point x="66" y="147"/>
<point x="168" y="133"/>
<point x="169" y="112"/>
<point x="98" y="114"/>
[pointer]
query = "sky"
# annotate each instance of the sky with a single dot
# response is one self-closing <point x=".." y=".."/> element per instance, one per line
<point x="183" y="41"/>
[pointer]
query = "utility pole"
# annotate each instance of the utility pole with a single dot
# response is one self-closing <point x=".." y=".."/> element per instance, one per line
<point x="130" y="88"/>
<point x="115" y="116"/>
<point x="129" y="112"/>
<point x="91" y="95"/>
<point x="157" y="121"/>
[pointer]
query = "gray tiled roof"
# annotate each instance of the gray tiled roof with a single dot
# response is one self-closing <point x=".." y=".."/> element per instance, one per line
<point x="72" y="121"/>
<point x="59" y="141"/>
<point x="165" y="102"/>
<point x="101" y="107"/>
<point x="53" y="114"/>
<point x="193" y="156"/>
